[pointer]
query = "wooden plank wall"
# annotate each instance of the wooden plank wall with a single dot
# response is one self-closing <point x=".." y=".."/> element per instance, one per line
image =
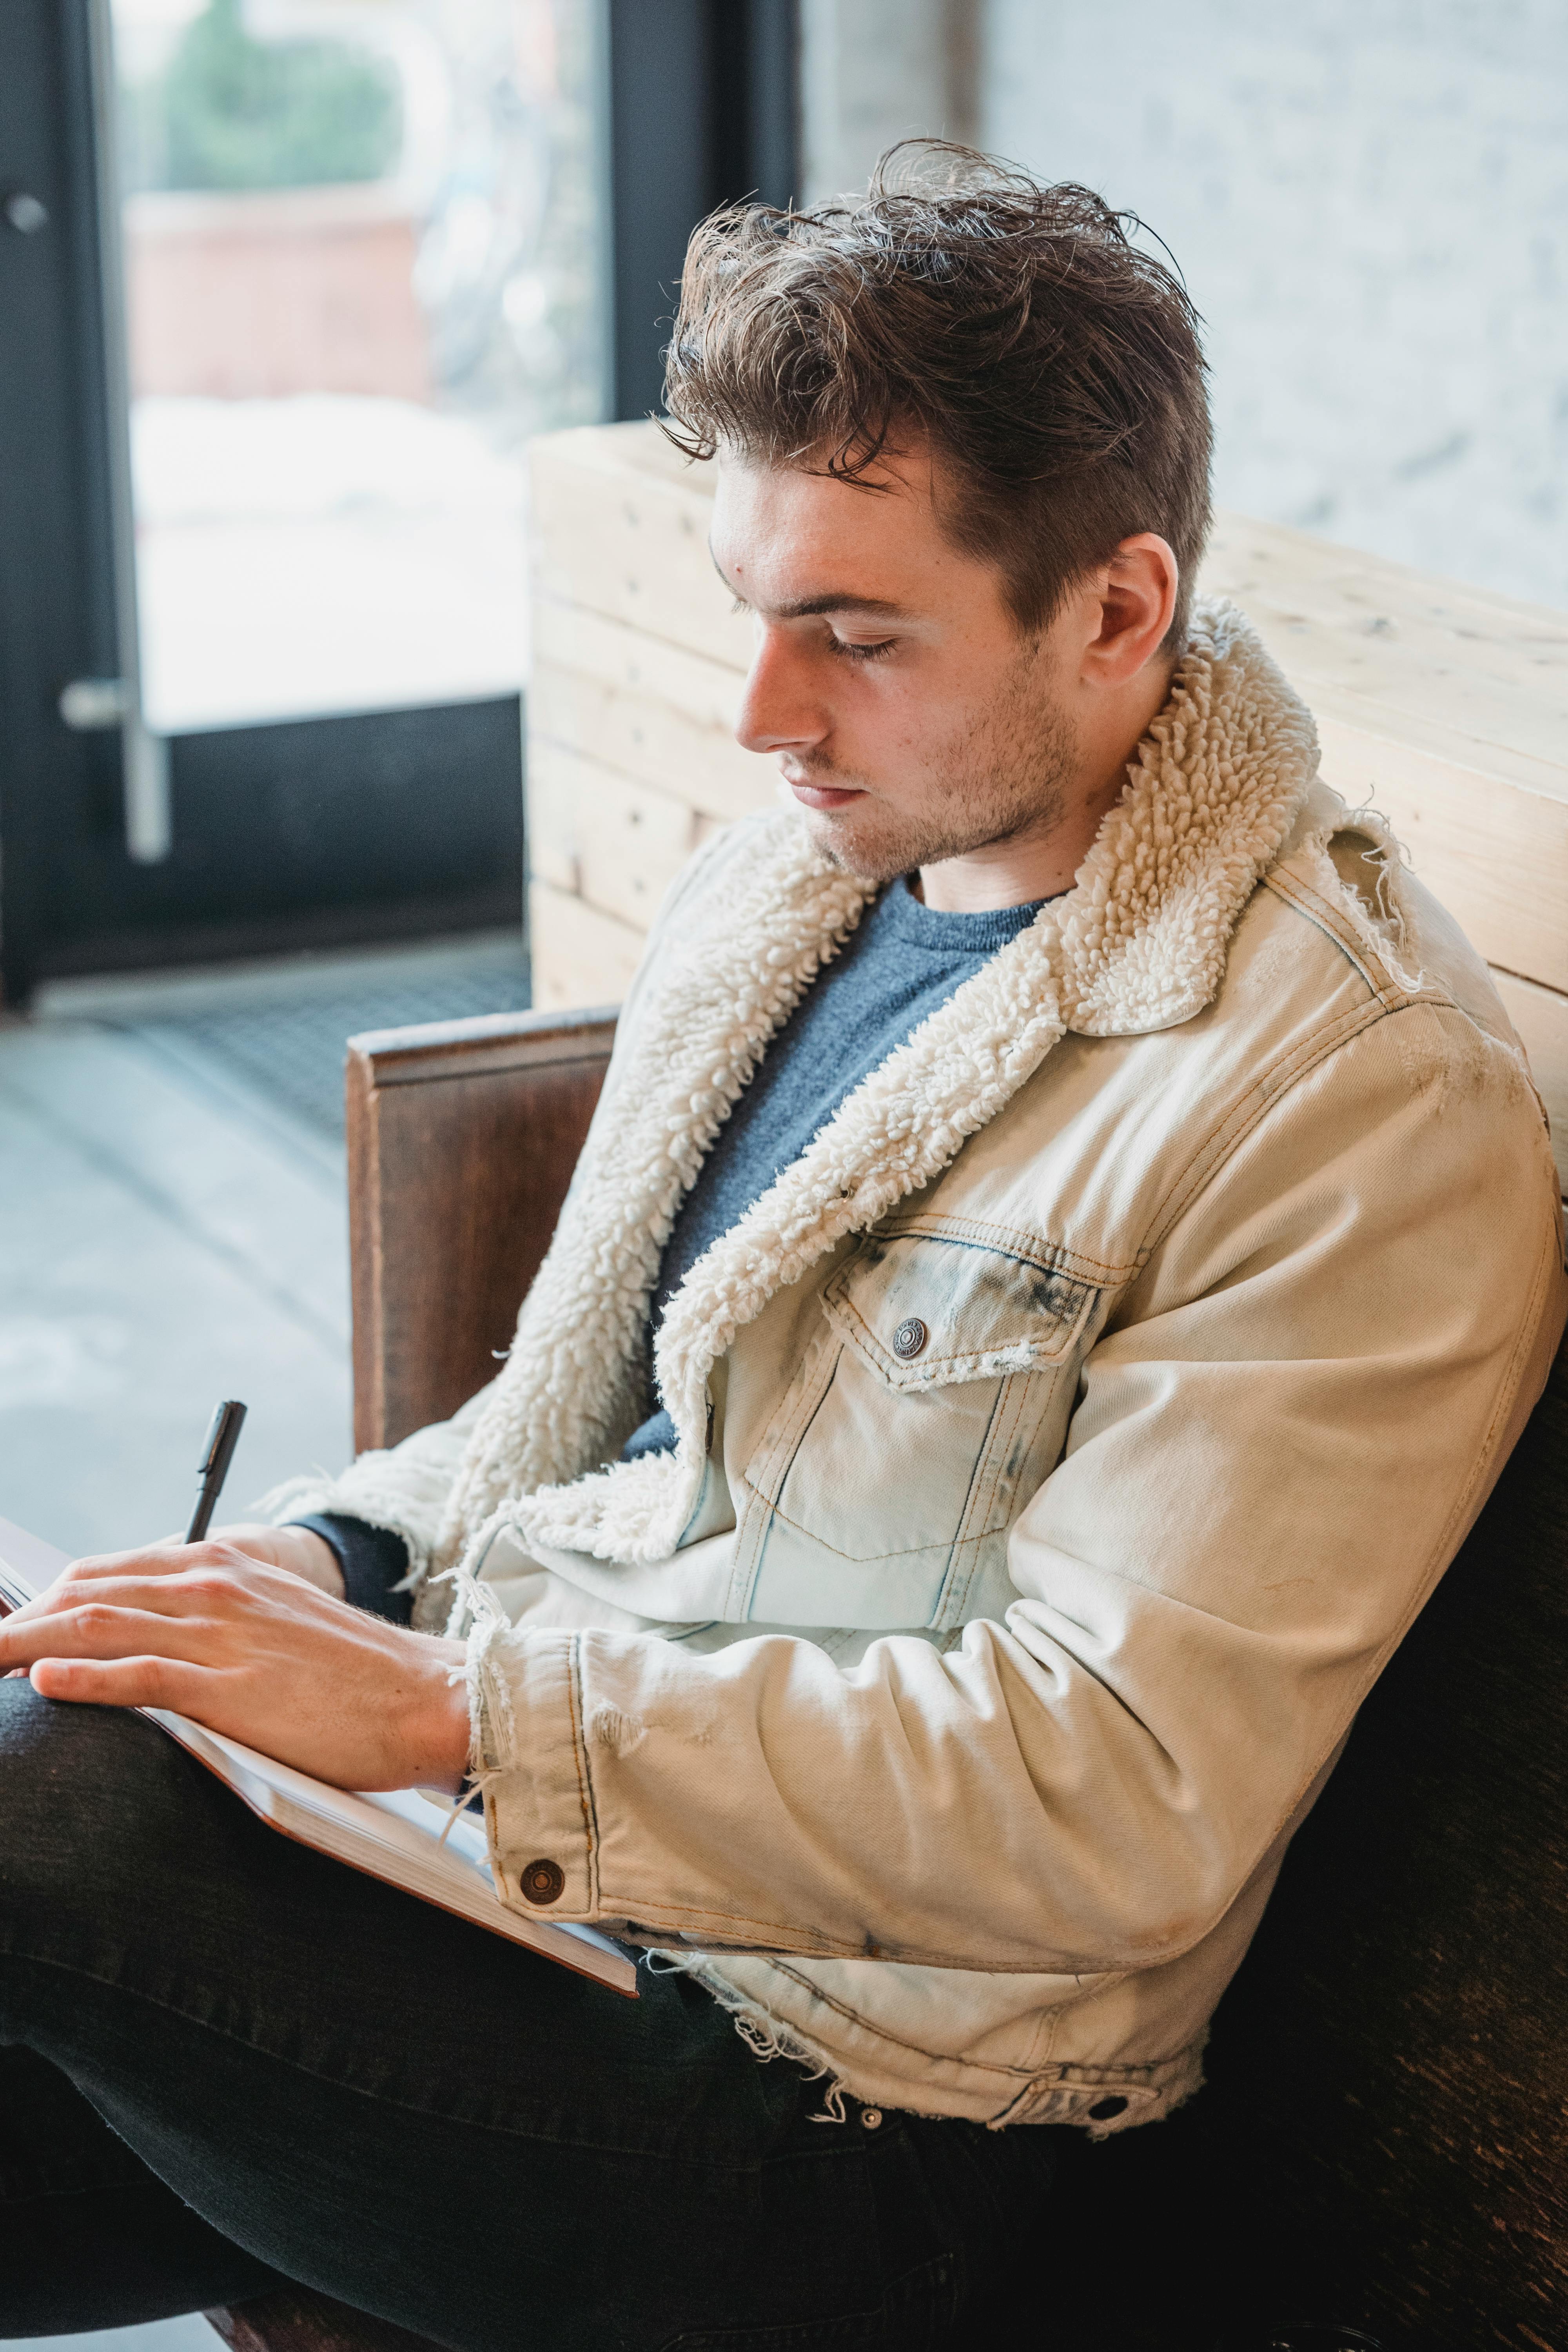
<point x="1445" y="706"/>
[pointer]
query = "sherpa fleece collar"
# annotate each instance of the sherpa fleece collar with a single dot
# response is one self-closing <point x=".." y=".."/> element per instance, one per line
<point x="1137" y="944"/>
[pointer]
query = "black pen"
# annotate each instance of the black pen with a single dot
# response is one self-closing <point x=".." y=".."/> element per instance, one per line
<point x="217" y="1452"/>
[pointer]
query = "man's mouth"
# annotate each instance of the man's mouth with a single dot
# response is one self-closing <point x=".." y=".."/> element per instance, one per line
<point x="823" y="796"/>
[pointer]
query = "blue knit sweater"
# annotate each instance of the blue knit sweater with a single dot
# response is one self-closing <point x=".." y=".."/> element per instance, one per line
<point x="902" y="961"/>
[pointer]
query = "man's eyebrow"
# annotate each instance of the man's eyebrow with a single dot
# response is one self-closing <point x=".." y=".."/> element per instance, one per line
<point x="831" y="600"/>
<point x="881" y="608"/>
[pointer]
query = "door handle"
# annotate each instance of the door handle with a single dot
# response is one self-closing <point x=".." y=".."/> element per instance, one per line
<point x="25" y="212"/>
<point x="91" y="706"/>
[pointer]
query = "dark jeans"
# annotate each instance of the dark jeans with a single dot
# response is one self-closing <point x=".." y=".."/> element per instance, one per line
<point x="227" y="2061"/>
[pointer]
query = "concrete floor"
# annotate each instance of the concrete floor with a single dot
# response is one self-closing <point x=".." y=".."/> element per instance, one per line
<point x="174" y="1227"/>
<point x="190" y="2334"/>
<point x="174" y="1230"/>
<point x="164" y="1241"/>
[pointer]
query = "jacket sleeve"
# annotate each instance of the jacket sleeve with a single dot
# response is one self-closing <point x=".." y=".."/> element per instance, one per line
<point x="1279" y="1445"/>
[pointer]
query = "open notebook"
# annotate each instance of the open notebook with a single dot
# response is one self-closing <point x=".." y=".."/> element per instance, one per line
<point x="394" y="1835"/>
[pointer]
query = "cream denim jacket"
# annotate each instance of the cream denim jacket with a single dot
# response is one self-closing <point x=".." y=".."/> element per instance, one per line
<point x="1066" y="1439"/>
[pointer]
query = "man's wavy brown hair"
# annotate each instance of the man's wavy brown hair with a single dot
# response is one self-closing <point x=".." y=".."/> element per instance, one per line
<point x="1053" y="368"/>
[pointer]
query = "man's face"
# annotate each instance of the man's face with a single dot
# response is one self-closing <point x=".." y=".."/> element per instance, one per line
<point x="911" y="720"/>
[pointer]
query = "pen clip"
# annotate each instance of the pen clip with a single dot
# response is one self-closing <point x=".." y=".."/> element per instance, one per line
<point x="217" y="1452"/>
<point x="210" y="1442"/>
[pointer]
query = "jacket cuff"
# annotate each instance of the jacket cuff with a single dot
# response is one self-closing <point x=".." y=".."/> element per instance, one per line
<point x="525" y="1705"/>
<point x="374" y="1562"/>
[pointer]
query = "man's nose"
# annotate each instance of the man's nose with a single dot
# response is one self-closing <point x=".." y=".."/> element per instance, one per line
<point x="779" y="709"/>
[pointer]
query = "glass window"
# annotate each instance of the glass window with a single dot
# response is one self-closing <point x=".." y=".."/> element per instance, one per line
<point x="362" y="264"/>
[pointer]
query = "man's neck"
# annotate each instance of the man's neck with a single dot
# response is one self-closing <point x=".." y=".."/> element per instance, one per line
<point x="1041" y="861"/>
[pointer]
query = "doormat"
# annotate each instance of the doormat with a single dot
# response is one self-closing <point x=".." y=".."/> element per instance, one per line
<point x="290" y="1049"/>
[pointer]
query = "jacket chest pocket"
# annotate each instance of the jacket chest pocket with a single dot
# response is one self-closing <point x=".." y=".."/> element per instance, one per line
<point x="894" y="1463"/>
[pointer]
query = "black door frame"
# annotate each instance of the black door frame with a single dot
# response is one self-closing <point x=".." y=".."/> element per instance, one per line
<point x="703" y="111"/>
<point x="284" y="835"/>
<point x="56" y="579"/>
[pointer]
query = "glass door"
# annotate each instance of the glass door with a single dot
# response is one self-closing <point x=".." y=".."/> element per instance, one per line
<point x="362" y="265"/>
<point x="286" y="286"/>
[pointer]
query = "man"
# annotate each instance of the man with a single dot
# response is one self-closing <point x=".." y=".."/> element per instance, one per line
<point x="1067" y="1244"/>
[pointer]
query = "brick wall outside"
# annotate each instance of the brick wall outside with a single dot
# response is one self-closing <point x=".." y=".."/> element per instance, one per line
<point x="1370" y="201"/>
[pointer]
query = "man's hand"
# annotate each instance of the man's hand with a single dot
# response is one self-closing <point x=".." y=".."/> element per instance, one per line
<point x="247" y="1645"/>
<point x="299" y="1550"/>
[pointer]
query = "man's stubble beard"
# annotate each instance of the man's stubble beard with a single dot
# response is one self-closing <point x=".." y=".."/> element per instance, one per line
<point x="1005" y="774"/>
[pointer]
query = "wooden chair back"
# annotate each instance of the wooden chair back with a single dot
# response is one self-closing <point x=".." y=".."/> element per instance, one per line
<point x="462" y="1137"/>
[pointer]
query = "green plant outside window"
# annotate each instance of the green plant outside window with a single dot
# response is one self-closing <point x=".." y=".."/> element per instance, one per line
<point x="233" y="113"/>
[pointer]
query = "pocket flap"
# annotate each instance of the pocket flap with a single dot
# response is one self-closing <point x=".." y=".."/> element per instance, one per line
<point x="927" y="1309"/>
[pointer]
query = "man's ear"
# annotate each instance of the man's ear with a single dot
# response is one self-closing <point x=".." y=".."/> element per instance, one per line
<point x="1136" y="595"/>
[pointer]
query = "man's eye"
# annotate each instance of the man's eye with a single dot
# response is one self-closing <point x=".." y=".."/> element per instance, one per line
<point x="854" y="652"/>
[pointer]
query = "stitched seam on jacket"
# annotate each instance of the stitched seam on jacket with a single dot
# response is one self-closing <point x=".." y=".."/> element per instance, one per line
<point x="750" y="1543"/>
<point x="814" y="1388"/>
<point x="1063" y="2072"/>
<point x="1040" y="1396"/>
<point x="947" y="1615"/>
<point x="1007" y="1419"/>
<point x="580" y="1757"/>
<point x="940" y="1545"/>
<point x="1015" y="1241"/>
<point x="1222" y="1143"/>
<point x="900" y="2041"/>
<point x="1300" y="893"/>
<point x="771" y="1940"/>
<point x="1027" y="1388"/>
<point x="919" y="1376"/>
<point x="1044" y="2040"/>
<point x="960" y="1573"/>
<point x="989" y="2065"/>
<point x="759" y="1931"/>
<point x="812" y="1383"/>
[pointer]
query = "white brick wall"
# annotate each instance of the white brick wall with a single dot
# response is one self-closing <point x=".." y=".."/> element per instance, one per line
<point x="873" y="71"/>
<point x="1369" y="199"/>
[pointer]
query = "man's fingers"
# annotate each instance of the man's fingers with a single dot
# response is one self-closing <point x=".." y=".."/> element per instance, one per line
<point x="99" y="1629"/>
<point x="159" y="1561"/>
<point x="143" y="1594"/>
<point x="166" y="1558"/>
<point x="209" y="1581"/>
<point x="118" y="1682"/>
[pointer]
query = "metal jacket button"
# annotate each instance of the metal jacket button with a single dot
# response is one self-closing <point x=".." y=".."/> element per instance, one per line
<point x="543" y="1881"/>
<point x="909" y="1337"/>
